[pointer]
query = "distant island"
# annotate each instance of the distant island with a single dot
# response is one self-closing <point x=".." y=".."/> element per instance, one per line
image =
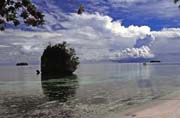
<point x="22" y="64"/>
<point x="155" y="61"/>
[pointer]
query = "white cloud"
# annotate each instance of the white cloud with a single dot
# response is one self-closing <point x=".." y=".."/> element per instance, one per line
<point x="132" y="10"/>
<point x="4" y="46"/>
<point x="147" y="9"/>
<point x="99" y="31"/>
<point x="147" y="41"/>
<point x="105" y="24"/>
<point x="94" y="36"/>
<point x="168" y="33"/>
<point x="127" y="1"/>
<point x="167" y="41"/>
<point x="143" y="52"/>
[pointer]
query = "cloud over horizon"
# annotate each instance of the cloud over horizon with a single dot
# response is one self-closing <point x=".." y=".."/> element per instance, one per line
<point x="95" y="37"/>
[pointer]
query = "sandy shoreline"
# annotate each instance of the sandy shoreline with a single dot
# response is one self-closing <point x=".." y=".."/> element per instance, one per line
<point x="165" y="107"/>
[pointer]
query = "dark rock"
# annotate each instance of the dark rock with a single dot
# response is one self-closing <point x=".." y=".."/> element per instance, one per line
<point x="58" y="60"/>
<point x="38" y="72"/>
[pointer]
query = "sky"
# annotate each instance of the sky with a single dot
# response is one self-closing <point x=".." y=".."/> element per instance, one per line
<point x="108" y="30"/>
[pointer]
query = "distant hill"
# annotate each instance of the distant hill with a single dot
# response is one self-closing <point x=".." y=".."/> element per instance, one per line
<point x="132" y="60"/>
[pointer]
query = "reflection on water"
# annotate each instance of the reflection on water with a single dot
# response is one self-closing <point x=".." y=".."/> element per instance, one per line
<point x="144" y="83"/>
<point x="97" y="90"/>
<point x="60" y="89"/>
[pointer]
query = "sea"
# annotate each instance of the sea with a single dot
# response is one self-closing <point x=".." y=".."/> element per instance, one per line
<point x="95" y="91"/>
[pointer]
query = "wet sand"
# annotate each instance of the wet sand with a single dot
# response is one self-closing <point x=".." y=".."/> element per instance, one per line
<point x="165" y="107"/>
<point x="168" y="109"/>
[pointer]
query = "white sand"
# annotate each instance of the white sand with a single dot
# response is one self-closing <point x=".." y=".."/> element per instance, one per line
<point x="164" y="109"/>
<point x="168" y="109"/>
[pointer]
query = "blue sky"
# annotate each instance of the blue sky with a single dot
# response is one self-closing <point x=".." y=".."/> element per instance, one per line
<point x="157" y="14"/>
<point x="123" y="30"/>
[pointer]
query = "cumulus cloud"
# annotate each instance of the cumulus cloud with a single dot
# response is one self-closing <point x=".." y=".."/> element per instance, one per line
<point x="147" y="41"/>
<point x="94" y="36"/>
<point x="100" y="31"/>
<point x="172" y="33"/>
<point x="168" y="41"/>
<point x="105" y="24"/>
<point x="142" y="52"/>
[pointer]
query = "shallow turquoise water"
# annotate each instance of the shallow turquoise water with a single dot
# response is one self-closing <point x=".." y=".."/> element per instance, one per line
<point x="98" y="89"/>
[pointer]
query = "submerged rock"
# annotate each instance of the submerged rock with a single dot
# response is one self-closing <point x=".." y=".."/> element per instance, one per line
<point x="61" y="90"/>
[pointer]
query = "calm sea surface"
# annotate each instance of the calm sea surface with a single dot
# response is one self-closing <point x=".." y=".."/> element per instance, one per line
<point x="95" y="91"/>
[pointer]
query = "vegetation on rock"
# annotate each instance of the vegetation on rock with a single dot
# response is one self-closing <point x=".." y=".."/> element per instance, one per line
<point x="59" y="60"/>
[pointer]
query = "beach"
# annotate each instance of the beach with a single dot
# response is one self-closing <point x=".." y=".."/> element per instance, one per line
<point x="165" y="107"/>
<point x="168" y="109"/>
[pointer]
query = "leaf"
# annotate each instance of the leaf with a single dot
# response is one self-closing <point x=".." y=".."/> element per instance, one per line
<point x="16" y="22"/>
<point x="24" y="14"/>
<point x="26" y="2"/>
<point x="2" y="21"/>
<point x="18" y="5"/>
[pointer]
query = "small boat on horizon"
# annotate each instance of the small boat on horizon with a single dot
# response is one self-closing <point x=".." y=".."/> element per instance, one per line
<point x="153" y="61"/>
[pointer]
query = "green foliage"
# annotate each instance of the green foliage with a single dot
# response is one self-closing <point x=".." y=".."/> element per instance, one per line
<point x="59" y="60"/>
<point x="14" y="10"/>
<point x="81" y="10"/>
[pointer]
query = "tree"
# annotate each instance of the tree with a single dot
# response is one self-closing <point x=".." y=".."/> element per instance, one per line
<point x="12" y="11"/>
<point x="80" y="10"/>
<point x="58" y="60"/>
